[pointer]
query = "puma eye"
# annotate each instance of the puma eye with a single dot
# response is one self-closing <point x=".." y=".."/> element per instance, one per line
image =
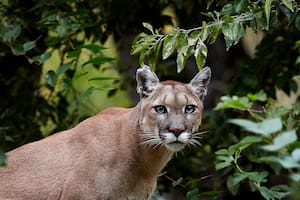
<point x="189" y="109"/>
<point x="160" y="109"/>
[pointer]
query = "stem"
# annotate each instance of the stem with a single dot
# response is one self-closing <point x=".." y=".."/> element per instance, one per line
<point x="236" y="157"/>
<point x="240" y="18"/>
<point x="160" y="38"/>
<point x="171" y="179"/>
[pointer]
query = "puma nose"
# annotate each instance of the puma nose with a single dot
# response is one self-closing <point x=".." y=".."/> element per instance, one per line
<point x="176" y="131"/>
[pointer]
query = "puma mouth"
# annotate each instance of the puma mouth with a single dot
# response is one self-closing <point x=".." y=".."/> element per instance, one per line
<point x="170" y="138"/>
<point x="175" y="143"/>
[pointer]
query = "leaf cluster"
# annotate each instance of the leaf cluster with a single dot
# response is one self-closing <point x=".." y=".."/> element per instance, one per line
<point x="231" y="21"/>
<point x="31" y="34"/>
<point x="271" y="140"/>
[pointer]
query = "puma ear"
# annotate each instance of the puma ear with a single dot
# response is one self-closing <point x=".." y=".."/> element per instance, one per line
<point x="146" y="81"/>
<point x="201" y="81"/>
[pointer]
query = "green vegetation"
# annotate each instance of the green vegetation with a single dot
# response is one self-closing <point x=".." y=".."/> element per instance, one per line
<point x="56" y="71"/>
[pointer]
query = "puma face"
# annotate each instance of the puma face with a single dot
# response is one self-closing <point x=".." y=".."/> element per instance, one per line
<point x="171" y="111"/>
<point x="173" y="117"/>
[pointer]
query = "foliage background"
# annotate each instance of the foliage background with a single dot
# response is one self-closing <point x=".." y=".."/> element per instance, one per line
<point x="62" y="61"/>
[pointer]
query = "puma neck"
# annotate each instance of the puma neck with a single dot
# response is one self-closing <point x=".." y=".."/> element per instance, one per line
<point x="150" y="159"/>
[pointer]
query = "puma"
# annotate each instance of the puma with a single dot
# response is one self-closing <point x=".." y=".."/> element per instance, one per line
<point x="114" y="155"/>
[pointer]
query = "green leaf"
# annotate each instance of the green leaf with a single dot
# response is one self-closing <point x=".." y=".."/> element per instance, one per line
<point x="228" y="42"/>
<point x="148" y="26"/>
<point x="184" y="51"/>
<point x="240" y="5"/>
<point x="267" y="8"/>
<point x="74" y="26"/>
<point x="51" y="78"/>
<point x="142" y="58"/>
<point x="295" y="177"/>
<point x="266" y="127"/>
<point x="204" y="31"/>
<point x="281" y="141"/>
<point x="93" y="47"/>
<point x="288" y="162"/>
<point x="12" y="34"/>
<point x="200" y="53"/>
<point x="233" y="102"/>
<point x="232" y="33"/>
<point x="29" y="45"/>
<point x="214" y="32"/>
<point x="183" y="44"/>
<point x="209" y="3"/>
<point x="177" y="182"/>
<point x="99" y="60"/>
<point x="64" y="68"/>
<point x="288" y="4"/>
<point x="73" y="54"/>
<point x="270" y="194"/>
<point x="88" y="92"/>
<point x="223" y="152"/>
<point x="244" y="143"/>
<point x="268" y="159"/>
<point x="102" y="78"/>
<point x="227" y="31"/>
<point x="140" y="43"/>
<point x="296" y="155"/>
<point x="66" y="83"/>
<point x="234" y="180"/>
<point x="21" y="49"/>
<point x="154" y="54"/>
<point x="181" y="60"/>
<point x="18" y="50"/>
<point x="277" y="112"/>
<point x="259" y="177"/>
<point x="222" y="165"/>
<point x="41" y="59"/>
<point x="45" y="56"/>
<point x="260" y="96"/>
<point x="227" y="10"/>
<point x="147" y="41"/>
<point x="194" y="37"/>
<point x="169" y="45"/>
<point x="223" y="161"/>
<point x="193" y="194"/>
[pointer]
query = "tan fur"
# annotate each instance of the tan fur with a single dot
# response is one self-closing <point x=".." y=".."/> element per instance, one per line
<point x="107" y="156"/>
